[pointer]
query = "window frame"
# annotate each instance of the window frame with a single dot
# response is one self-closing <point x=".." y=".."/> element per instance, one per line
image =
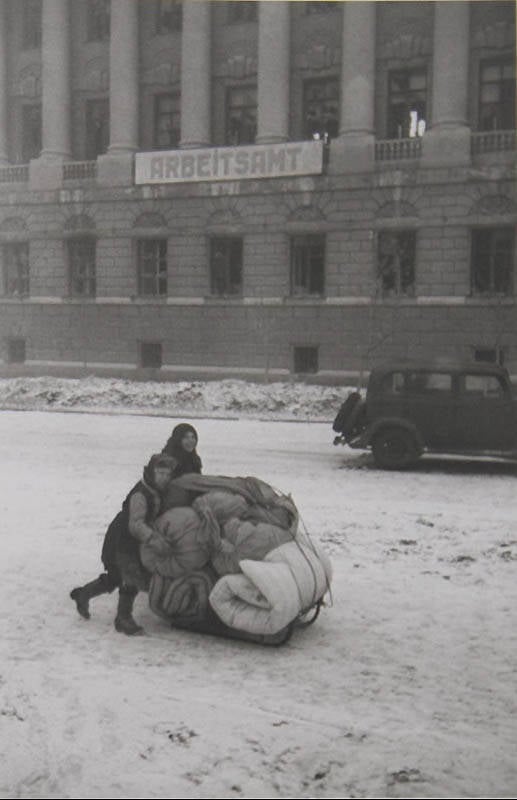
<point x="319" y="129"/>
<point x="307" y="353"/>
<point x="175" y="14"/>
<point x="91" y="151"/>
<point x="159" y="97"/>
<point x="320" y="7"/>
<point x="231" y="267"/>
<point x="391" y="122"/>
<point x="12" y="343"/>
<point x="507" y="93"/>
<point x="142" y="345"/>
<point x="238" y="12"/>
<point x="21" y="280"/>
<point x="32" y="11"/>
<point x="399" y="289"/>
<point x="302" y="281"/>
<point x="476" y="252"/>
<point x="229" y="108"/>
<point x="31" y="149"/>
<point x="98" y="20"/>
<point x="90" y="278"/>
<point x="158" y="276"/>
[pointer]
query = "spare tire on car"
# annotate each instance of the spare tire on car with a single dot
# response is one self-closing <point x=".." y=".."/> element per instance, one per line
<point x="348" y="415"/>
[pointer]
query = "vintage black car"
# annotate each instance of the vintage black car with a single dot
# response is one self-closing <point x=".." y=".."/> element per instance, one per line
<point x="409" y="409"/>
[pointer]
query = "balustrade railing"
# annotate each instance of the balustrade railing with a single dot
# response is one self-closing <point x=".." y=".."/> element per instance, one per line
<point x="398" y="149"/>
<point x="79" y="170"/>
<point x="493" y="141"/>
<point x="18" y="173"/>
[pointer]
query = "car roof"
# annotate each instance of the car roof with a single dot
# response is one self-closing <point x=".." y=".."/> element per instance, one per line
<point x="479" y="367"/>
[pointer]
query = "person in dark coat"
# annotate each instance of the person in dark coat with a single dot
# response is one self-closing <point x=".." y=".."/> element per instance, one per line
<point x="181" y="446"/>
<point x="133" y="526"/>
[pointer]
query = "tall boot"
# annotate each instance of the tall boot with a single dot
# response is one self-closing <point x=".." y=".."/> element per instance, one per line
<point x="124" y="622"/>
<point x="83" y="594"/>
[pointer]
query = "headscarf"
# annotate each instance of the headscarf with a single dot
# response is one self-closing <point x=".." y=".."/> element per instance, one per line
<point x="186" y="462"/>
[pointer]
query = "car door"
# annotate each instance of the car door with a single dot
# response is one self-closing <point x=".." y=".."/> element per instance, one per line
<point x="486" y="412"/>
<point x="431" y="405"/>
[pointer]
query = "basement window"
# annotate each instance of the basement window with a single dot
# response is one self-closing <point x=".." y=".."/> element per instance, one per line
<point x="16" y="351"/>
<point x="305" y="360"/>
<point x="151" y="355"/>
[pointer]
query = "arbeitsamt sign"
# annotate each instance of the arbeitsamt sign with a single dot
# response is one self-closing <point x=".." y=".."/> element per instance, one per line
<point x="229" y="163"/>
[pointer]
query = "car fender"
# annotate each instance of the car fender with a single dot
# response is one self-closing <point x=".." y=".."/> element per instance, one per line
<point x="365" y="439"/>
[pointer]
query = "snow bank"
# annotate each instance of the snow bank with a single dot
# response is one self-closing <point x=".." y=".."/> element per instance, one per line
<point x="234" y="398"/>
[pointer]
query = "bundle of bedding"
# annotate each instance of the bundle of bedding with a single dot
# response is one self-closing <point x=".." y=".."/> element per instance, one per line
<point x="238" y="559"/>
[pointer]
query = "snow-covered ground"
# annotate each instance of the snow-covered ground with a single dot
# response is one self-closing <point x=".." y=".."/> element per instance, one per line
<point x="404" y="687"/>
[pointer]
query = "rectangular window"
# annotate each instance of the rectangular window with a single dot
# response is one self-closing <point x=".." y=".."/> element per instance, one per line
<point x="169" y="16"/>
<point x="226" y="266"/>
<point x="16" y="351"/>
<point x="97" y="128"/>
<point x="490" y="355"/>
<point x="396" y="256"/>
<point x="16" y="269"/>
<point x="320" y="6"/>
<point x="321" y="108"/>
<point x="241" y="115"/>
<point x="483" y="386"/>
<point x="31" y="24"/>
<point x="81" y="265"/>
<point x="31" y="132"/>
<point x="152" y="267"/>
<point x="428" y="382"/>
<point x="307" y="265"/>
<point x="151" y="355"/>
<point x="407" y="99"/>
<point x="167" y="130"/>
<point x="492" y="261"/>
<point x="305" y="360"/>
<point x="242" y="11"/>
<point x="393" y="383"/>
<point x="98" y="20"/>
<point x="497" y="95"/>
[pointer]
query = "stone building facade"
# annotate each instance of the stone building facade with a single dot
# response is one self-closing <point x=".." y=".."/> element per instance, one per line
<point x="258" y="189"/>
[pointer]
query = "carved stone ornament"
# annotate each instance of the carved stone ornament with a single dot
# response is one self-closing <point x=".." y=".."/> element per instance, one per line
<point x="150" y="219"/>
<point x="397" y="208"/>
<point x="306" y="214"/>
<point x="494" y="205"/>
<point x="79" y="222"/>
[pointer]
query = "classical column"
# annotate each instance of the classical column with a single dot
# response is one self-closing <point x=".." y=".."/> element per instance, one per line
<point x="124" y="77"/>
<point x="55" y="55"/>
<point x="195" y="74"/>
<point x="3" y="86"/>
<point x="273" y="72"/>
<point x="46" y="172"/>
<point x="354" y="149"/>
<point x="448" y="139"/>
<point x="116" y="166"/>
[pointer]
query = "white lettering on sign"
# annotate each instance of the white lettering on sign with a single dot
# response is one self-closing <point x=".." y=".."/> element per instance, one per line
<point x="229" y="163"/>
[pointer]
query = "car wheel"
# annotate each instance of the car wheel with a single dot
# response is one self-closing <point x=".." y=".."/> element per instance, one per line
<point x="342" y="421"/>
<point x="394" y="448"/>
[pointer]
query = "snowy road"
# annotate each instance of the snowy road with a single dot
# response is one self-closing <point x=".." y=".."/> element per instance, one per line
<point x="406" y="687"/>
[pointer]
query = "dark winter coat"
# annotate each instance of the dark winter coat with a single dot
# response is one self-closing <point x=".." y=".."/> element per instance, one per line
<point x="186" y="462"/>
<point x="133" y="525"/>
